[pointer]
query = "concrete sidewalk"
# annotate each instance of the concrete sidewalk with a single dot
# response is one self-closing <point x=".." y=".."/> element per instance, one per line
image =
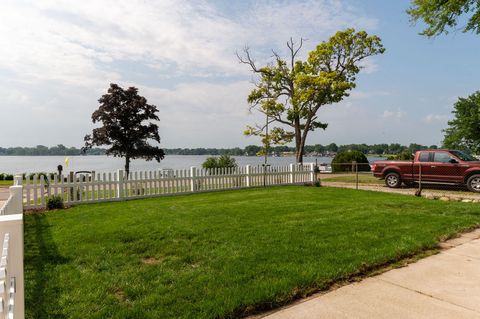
<point x="446" y="285"/>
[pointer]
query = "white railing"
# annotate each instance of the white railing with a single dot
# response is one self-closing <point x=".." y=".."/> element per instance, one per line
<point x="11" y="263"/>
<point x="98" y="187"/>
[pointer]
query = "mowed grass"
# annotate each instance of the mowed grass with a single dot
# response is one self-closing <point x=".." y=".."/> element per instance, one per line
<point x="223" y="254"/>
<point x="351" y="178"/>
<point x="6" y="183"/>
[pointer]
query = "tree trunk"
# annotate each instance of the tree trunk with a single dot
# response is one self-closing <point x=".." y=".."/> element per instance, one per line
<point x="298" y="142"/>
<point x="303" y="139"/>
<point x="299" y="154"/>
<point x="127" y="166"/>
<point x="300" y="150"/>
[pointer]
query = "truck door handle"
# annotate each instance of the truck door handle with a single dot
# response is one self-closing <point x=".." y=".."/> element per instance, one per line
<point x="433" y="166"/>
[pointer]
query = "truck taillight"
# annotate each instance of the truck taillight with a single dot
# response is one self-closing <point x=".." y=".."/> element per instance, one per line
<point x="373" y="167"/>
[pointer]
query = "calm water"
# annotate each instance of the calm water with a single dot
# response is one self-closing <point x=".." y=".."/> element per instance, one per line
<point x="26" y="164"/>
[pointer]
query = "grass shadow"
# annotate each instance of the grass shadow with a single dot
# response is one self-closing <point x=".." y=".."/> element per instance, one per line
<point x="41" y="259"/>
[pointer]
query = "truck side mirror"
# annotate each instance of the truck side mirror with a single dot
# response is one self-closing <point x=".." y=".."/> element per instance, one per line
<point x="453" y="161"/>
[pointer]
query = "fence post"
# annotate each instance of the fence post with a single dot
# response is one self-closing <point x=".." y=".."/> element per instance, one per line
<point x="17" y="180"/>
<point x="193" y="180"/>
<point x="356" y="174"/>
<point x="419" y="191"/>
<point x="312" y="172"/>
<point x="247" y="168"/>
<point x="16" y="204"/>
<point x="292" y="179"/>
<point x="120" y="184"/>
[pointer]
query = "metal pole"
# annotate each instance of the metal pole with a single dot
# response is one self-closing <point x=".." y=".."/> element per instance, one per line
<point x="419" y="191"/>
<point x="356" y="175"/>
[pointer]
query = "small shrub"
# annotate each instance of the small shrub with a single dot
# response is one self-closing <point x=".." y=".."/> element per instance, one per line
<point x="55" y="202"/>
<point x="223" y="161"/>
<point x="349" y="157"/>
<point x="403" y="156"/>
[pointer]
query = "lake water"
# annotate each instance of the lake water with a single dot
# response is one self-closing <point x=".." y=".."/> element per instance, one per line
<point x="28" y="164"/>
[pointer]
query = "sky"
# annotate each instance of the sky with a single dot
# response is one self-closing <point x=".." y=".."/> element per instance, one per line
<point x="58" y="57"/>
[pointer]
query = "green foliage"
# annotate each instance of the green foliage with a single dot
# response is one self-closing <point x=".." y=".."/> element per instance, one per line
<point x="403" y="156"/>
<point x="252" y="150"/>
<point x="9" y="177"/>
<point x="219" y="255"/>
<point x="41" y="150"/>
<point x="463" y="131"/>
<point x="289" y="92"/>
<point x="127" y="126"/>
<point x="223" y="161"/>
<point x="6" y="177"/>
<point x="55" y="202"/>
<point x="440" y="15"/>
<point x="349" y="157"/>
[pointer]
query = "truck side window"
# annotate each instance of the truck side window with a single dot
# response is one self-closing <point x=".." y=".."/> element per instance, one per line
<point x="424" y="157"/>
<point x="442" y="157"/>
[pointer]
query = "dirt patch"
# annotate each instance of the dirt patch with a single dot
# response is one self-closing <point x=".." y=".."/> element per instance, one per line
<point x="120" y="295"/>
<point x="151" y="261"/>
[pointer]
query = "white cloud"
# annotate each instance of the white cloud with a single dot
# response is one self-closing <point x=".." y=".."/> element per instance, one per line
<point x="436" y="118"/>
<point x="71" y="42"/>
<point x="58" y="57"/>
<point x="387" y="114"/>
<point x="360" y="94"/>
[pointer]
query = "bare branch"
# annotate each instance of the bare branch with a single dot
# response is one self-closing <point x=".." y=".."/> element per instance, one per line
<point x="248" y="60"/>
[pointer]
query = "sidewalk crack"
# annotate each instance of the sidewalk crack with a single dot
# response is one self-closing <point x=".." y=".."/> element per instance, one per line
<point x="428" y="295"/>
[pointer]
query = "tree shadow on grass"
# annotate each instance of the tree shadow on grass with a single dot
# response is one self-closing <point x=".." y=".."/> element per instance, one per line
<point x="42" y="286"/>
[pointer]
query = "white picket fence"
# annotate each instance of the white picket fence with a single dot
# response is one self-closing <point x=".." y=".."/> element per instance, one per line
<point x="12" y="304"/>
<point x="100" y="187"/>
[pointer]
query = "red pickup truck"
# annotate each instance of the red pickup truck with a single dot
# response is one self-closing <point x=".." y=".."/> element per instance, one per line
<point x="434" y="166"/>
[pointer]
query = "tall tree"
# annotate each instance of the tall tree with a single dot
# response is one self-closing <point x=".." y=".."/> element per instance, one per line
<point x="289" y="92"/>
<point x="441" y="15"/>
<point x="127" y="126"/>
<point x="463" y="130"/>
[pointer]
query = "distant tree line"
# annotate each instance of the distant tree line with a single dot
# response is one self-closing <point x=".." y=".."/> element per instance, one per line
<point x="41" y="150"/>
<point x="250" y="150"/>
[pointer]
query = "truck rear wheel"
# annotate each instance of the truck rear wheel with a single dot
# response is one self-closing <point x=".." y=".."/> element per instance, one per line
<point x="473" y="183"/>
<point x="393" y="180"/>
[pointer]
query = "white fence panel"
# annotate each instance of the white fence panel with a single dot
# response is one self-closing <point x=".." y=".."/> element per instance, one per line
<point x="110" y="187"/>
<point x="12" y="301"/>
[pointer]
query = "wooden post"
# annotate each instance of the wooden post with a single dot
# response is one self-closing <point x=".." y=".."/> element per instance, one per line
<point x="70" y="181"/>
<point x="17" y="180"/>
<point x="247" y="172"/>
<point x="292" y="178"/>
<point x="16" y="204"/>
<point x="312" y="172"/>
<point x="193" y="180"/>
<point x="120" y="184"/>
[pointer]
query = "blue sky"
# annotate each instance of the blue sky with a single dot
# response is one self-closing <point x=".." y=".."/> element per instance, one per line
<point x="58" y="58"/>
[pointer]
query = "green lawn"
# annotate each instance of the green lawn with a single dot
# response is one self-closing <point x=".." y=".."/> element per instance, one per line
<point x="223" y="254"/>
<point x="350" y="178"/>
<point x="6" y="183"/>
